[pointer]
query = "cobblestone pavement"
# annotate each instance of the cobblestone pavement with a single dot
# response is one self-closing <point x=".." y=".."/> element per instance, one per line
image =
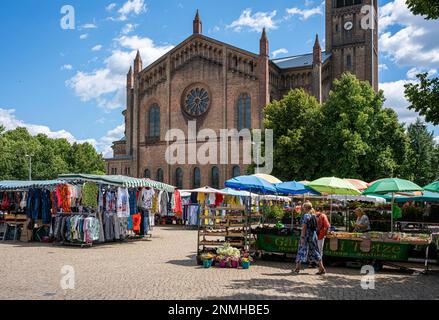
<point x="165" y="268"/>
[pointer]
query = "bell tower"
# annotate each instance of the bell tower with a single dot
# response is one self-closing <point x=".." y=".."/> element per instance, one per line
<point x="352" y="38"/>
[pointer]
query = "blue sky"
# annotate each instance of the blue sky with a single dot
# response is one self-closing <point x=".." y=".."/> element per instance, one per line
<point x="70" y="83"/>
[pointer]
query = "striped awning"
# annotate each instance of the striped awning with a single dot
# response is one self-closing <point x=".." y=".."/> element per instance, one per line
<point x="23" y="185"/>
<point x="119" y="181"/>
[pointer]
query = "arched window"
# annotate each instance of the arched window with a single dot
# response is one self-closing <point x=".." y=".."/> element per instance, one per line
<point x="215" y="177"/>
<point x="244" y="111"/>
<point x="147" y="174"/>
<point x="179" y="178"/>
<point x="196" y="182"/>
<point x="154" y="122"/>
<point x="236" y="171"/>
<point x="160" y="175"/>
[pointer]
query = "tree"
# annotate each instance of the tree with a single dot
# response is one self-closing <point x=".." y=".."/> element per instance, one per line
<point x="424" y="97"/>
<point x="427" y="8"/>
<point x="50" y="157"/>
<point x="422" y="158"/>
<point x="362" y="140"/>
<point x="295" y="121"/>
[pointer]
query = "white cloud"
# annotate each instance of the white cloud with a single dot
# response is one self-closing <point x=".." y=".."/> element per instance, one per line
<point x="97" y="48"/>
<point x="106" y="86"/>
<point x="382" y="67"/>
<point x="277" y="52"/>
<point x="103" y="145"/>
<point x="67" y="67"/>
<point x="407" y="39"/>
<point x="110" y="7"/>
<point x="135" y="7"/>
<point x="411" y="74"/>
<point x="83" y="36"/>
<point x="437" y="139"/>
<point x="88" y="26"/>
<point x="254" y="22"/>
<point x="214" y="29"/>
<point x="128" y="28"/>
<point x="306" y="13"/>
<point x="395" y="99"/>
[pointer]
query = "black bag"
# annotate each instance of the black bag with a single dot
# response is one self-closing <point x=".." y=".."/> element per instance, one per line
<point x="312" y="223"/>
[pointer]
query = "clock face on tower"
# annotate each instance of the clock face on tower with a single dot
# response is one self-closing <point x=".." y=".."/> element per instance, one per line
<point x="348" y="25"/>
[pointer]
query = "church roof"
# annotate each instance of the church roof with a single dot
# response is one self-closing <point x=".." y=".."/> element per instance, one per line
<point x="304" y="60"/>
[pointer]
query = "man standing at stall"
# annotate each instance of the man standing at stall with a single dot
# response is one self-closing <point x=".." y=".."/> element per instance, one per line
<point x="323" y="226"/>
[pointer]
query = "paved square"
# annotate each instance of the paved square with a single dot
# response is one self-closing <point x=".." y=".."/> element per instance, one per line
<point x="165" y="268"/>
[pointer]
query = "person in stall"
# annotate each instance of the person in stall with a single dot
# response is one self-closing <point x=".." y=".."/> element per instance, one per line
<point x="362" y="224"/>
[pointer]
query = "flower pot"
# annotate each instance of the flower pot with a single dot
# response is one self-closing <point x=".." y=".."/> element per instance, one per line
<point x="207" y="263"/>
<point x="235" y="264"/>
<point x="223" y="264"/>
<point x="245" y="264"/>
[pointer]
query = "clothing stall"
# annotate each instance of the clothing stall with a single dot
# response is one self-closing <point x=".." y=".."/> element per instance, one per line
<point x="83" y="209"/>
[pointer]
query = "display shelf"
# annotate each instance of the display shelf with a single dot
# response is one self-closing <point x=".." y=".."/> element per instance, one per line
<point x="233" y="227"/>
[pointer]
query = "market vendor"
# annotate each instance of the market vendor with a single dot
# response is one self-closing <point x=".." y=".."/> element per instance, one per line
<point x="362" y="224"/>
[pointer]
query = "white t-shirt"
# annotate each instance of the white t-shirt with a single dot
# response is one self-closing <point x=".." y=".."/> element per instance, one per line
<point x="146" y="198"/>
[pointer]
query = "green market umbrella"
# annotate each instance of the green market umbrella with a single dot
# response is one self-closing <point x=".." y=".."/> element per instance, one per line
<point x="392" y="185"/>
<point x="334" y="186"/>
<point x="433" y="187"/>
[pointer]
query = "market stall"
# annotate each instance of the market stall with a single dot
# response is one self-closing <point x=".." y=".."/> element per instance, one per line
<point x="84" y="209"/>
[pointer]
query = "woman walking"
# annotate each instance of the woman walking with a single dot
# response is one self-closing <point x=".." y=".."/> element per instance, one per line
<point x="308" y="245"/>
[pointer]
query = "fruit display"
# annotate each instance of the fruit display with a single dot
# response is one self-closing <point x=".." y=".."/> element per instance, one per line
<point x="422" y="239"/>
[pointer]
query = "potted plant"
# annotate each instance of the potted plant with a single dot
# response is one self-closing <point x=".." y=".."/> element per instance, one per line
<point x="246" y="260"/>
<point x="207" y="259"/>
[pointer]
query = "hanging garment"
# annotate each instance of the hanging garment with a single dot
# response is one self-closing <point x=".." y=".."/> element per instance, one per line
<point x="133" y="201"/>
<point x="146" y="198"/>
<point x="178" y="208"/>
<point x="211" y="199"/>
<point x="218" y="199"/>
<point x="163" y="204"/>
<point x="136" y="222"/>
<point x="46" y="207"/>
<point x="101" y="228"/>
<point x="123" y="210"/>
<point x="201" y="198"/>
<point x="194" y="197"/>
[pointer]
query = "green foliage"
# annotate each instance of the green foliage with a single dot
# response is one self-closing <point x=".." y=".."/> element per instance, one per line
<point x="274" y="213"/>
<point x="424" y="97"/>
<point x="295" y="120"/>
<point x="50" y="157"/>
<point x="351" y="135"/>
<point x="422" y="158"/>
<point x="427" y="8"/>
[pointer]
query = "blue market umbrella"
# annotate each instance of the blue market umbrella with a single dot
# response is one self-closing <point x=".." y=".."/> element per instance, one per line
<point x="252" y="184"/>
<point x="293" y="187"/>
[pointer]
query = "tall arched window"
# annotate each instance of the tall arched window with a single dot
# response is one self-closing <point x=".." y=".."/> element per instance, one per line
<point x="147" y="174"/>
<point x="215" y="177"/>
<point x="179" y="178"/>
<point x="160" y="175"/>
<point x="244" y="111"/>
<point x="154" y="122"/>
<point x="236" y="171"/>
<point x="196" y="181"/>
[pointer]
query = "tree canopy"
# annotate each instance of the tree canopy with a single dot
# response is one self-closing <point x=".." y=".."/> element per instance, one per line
<point x="427" y="8"/>
<point x="424" y="97"/>
<point x="50" y="157"/>
<point x="350" y="135"/>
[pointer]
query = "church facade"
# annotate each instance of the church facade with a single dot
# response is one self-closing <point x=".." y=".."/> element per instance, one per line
<point x="224" y="87"/>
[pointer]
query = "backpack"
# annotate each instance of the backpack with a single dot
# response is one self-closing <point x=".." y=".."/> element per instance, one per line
<point x="312" y="223"/>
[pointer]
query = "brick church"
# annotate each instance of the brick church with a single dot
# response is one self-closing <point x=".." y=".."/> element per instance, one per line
<point x="225" y="87"/>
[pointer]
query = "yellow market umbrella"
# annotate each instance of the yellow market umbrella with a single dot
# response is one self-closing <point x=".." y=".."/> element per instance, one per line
<point x="268" y="178"/>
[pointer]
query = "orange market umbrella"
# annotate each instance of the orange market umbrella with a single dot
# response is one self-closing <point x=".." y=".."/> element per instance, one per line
<point x="359" y="184"/>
